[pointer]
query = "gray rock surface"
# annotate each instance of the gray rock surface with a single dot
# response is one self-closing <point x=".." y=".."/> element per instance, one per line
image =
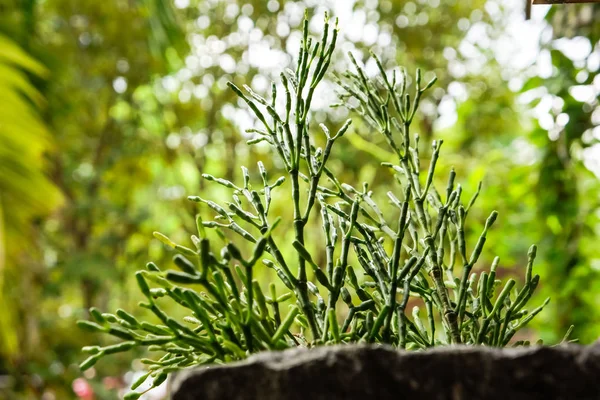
<point x="378" y="372"/>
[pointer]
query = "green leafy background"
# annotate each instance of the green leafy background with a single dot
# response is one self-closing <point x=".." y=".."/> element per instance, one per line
<point x="111" y="111"/>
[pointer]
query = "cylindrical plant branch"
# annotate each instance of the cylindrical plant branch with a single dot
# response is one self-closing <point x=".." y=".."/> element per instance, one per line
<point x="229" y="315"/>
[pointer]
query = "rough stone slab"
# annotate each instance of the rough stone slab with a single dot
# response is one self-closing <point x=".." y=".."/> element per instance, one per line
<point x="379" y="372"/>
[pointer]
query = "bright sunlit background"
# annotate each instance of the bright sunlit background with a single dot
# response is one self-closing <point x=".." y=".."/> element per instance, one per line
<point x="110" y="111"/>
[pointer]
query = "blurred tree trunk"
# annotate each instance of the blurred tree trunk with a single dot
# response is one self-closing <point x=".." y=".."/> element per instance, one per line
<point x="558" y="207"/>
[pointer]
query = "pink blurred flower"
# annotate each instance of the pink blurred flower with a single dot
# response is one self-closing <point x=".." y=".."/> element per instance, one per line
<point x="111" y="382"/>
<point x="83" y="389"/>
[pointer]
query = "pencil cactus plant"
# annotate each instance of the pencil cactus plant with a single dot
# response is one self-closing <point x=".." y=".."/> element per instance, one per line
<point x="422" y="254"/>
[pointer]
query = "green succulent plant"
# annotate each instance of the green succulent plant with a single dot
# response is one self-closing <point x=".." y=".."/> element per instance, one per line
<point x="421" y="254"/>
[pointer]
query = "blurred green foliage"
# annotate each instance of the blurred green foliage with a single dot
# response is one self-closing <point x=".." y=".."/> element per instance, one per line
<point x="112" y="110"/>
<point x="23" y="139"/>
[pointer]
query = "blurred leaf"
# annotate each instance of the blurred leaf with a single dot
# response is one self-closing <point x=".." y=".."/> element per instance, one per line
<point x="25" y="192"/>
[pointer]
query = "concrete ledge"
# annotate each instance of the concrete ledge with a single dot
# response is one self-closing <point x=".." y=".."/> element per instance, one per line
<point x="379" y="372"/>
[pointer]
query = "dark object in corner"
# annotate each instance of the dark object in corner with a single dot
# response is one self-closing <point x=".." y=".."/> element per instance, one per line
<point x="564" y="1"/>
<point x="379" y="373"/>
